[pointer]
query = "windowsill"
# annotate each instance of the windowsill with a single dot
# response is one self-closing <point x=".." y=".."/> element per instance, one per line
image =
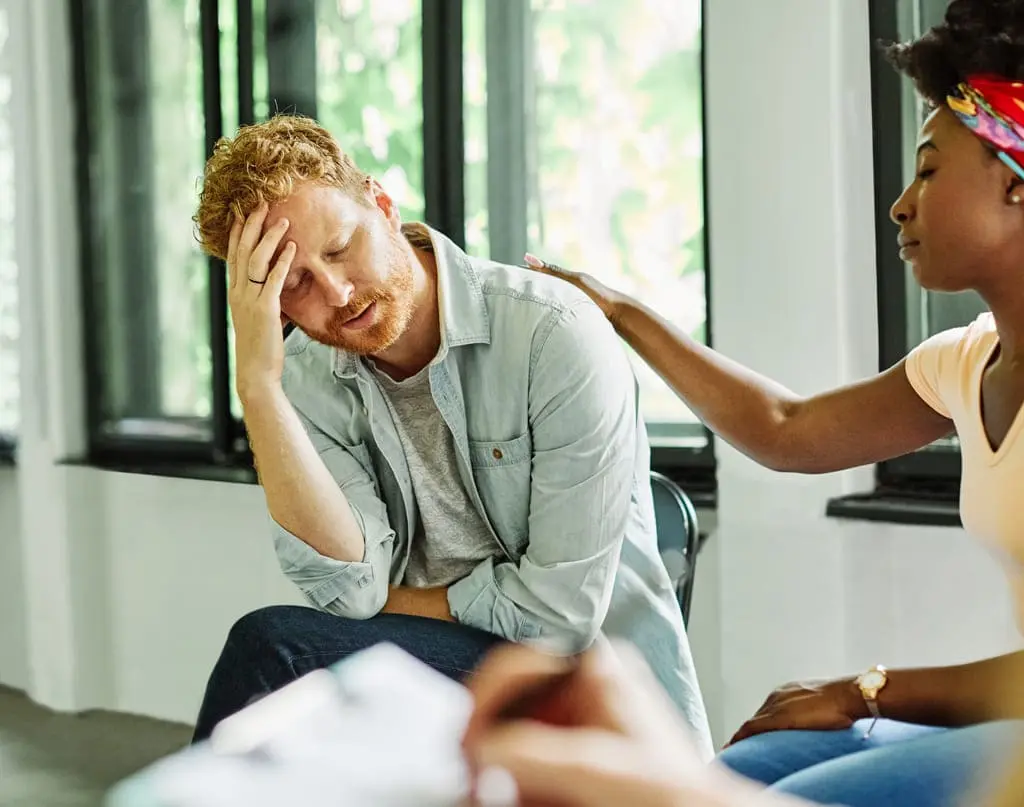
<point x="703" y="499"/>
<point x="198" y="471"/>
<point x="690" y="463"/>
<point x="892" y="508"/>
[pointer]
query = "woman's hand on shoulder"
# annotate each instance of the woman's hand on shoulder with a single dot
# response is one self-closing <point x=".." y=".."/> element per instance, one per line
<point x="607" y="299"/>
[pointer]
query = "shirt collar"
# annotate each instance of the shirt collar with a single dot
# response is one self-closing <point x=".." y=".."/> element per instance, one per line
<point x="461" y="307"/>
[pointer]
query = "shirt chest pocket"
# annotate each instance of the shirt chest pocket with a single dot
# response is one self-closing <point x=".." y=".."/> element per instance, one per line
<point x="501" y="470"/>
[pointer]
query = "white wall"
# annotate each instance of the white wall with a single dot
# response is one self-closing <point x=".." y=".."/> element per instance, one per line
<point x="117" y="590"/>
<point x="178" y="562"/>
<point x="13" y="670"/>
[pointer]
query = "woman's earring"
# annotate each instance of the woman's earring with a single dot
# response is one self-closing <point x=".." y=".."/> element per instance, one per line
<point x="1015" y="199"/>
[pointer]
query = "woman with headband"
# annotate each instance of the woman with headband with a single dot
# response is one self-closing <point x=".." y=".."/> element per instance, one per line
<point x="961" y="224"/>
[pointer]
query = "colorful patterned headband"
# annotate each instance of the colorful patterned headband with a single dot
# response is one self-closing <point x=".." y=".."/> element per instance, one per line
<point x="993" y="108"/>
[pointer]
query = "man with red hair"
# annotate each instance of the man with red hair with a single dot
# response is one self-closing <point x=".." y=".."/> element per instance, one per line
<point x="451" y="449"/>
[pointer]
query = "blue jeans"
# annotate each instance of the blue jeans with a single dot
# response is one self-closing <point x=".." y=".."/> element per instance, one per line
<point x="271" y="647"/>
<point x="899" y="765"/>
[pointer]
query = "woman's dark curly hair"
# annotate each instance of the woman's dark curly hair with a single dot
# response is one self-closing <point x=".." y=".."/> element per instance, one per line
<point x="976" y="37"/>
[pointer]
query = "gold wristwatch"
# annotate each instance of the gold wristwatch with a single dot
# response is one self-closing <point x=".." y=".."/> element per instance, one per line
<point x="870" y="684"/>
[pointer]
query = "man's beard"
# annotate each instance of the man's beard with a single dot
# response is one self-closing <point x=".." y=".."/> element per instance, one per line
<point x="394" y="302"/>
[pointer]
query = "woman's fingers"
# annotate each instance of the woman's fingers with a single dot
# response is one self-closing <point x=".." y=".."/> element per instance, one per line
<point x="542" y="265"/>
<point x="756" y="725"/>
<point x="589" y="285"/>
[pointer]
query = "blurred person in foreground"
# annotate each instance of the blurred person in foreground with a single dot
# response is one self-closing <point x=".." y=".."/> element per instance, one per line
<point x="451" y="449"/>
<point x="961" y="227"/>
<point x="596" y="730"/>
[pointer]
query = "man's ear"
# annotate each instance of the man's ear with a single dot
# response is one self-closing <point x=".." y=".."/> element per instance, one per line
<point x="384" y="202"/>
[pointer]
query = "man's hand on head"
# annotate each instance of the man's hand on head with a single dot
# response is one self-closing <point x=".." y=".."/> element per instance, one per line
<point x="427" y="602"/>
<point x="254" y="295"/>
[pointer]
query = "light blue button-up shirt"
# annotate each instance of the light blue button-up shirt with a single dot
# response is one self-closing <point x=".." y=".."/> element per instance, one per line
<point x="542" y="402"/>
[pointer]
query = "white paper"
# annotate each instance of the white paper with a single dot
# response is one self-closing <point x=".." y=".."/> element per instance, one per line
<point x="381" y="729"/>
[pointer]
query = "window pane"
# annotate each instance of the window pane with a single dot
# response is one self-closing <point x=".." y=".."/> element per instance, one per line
<point x="474" y="126"/>
<point x="356" y="66"/>
<point x="9" y="381"/>
<point x="228" y="25"/>
<point x="150" y="280"/>
<point x="368" y="77"/>
<point x="610" y="163"/>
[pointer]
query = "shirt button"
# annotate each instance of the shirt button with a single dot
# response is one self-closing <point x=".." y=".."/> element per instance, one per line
<point x="364" y="581"/>
<point x="497" y="454"/>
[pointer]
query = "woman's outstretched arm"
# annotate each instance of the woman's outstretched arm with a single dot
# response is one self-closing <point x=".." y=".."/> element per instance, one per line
<point x="863" y="423"/>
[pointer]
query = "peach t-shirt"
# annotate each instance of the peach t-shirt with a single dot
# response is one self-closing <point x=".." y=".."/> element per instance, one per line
<point x="946" y="371"/>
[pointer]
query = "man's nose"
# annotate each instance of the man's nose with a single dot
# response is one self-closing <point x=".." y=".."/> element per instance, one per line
<point x="337" y="291"/>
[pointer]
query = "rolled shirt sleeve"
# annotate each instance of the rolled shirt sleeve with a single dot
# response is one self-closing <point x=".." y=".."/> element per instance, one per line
<point x="355" y="589"/>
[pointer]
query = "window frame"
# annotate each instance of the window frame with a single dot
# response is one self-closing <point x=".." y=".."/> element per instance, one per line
<point x="689" y="458"/>
<point x="692" y="462"/>
<point x="931" y="473"/>
<point x="8" y="450"/>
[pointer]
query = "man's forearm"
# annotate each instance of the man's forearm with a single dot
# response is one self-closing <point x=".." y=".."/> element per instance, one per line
<point x="301" y="494"/>
<point x="954" y="696"/>
<point x="427" y="602"/>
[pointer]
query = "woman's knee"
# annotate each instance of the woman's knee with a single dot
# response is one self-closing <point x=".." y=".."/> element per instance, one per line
<point x="772" y="756"/>
<point x="762" y="758"/>
<point x="933" y="769"/>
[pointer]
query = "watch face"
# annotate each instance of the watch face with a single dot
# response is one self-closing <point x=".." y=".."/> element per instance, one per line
<point x="872" y="679"/>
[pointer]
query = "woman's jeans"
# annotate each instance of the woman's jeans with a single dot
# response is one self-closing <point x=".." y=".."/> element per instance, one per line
<point x="899" y="765"/>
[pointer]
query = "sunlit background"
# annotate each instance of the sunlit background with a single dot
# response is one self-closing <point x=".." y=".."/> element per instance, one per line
<point x="613" y="156"/>
<point x="600" y="169"/>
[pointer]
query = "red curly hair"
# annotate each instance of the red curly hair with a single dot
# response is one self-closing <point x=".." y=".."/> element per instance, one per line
<point x="264" y="163"/>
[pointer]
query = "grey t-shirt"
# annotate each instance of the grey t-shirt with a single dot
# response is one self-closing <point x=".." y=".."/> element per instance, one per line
<point x="450" y="538"/>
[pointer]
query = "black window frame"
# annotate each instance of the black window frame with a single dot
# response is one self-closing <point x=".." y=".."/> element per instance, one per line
<point x="922" y="487"/>
<point x="8" y="449"/>
<point x="932" y="472"/>
<point x="226" y="454"/>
